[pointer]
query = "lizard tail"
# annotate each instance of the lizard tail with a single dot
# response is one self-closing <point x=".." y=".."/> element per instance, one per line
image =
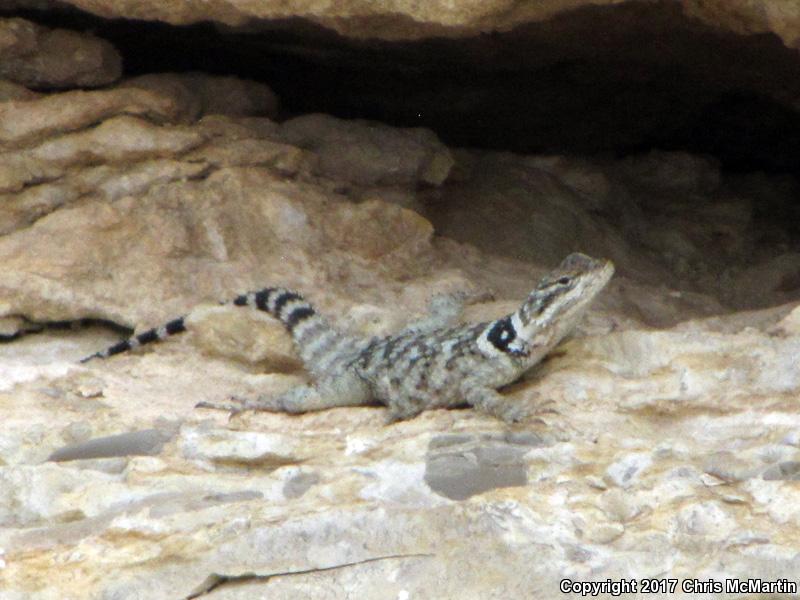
<point x="316" y="340"/>
<point x="312" y="334"/>
<point x="147" y="337"/>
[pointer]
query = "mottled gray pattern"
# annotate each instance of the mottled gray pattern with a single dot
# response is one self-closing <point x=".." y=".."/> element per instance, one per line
<point x="411" y="372"/>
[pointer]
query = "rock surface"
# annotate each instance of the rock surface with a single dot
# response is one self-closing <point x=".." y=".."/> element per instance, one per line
<point x="38" y="57"/>
<point x="407" y="19"/>
<point x="665" y="440"/>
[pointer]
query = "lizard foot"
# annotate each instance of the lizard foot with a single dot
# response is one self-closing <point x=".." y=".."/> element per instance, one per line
<point x="234" y="408"/>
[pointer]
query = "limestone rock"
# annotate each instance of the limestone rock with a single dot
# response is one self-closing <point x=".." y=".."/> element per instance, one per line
<point x="13" y="91"/>
<point x="460" y="466"/>
<point x="27" y="122"/>
<point x="119" y="140"/>
<point x="403" y="19"/>
<point x="743" y="16"/>
<point x="102" y="173"/>
<point x="255" y="338"/>
<point x="790" y="324"/>
<point x="145" y="442"/>
<point x="241" y="447"/>
<point x="38" y="57"/>
<point x="207" y="95"/>
<point x="369" y="153"/>
<point x="776" y="277"/>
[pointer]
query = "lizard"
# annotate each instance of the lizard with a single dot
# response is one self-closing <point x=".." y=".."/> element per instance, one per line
<point x="432" y="363"/>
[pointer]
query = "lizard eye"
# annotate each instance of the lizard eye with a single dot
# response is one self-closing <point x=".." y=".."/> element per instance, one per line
<point x="564" y="280"/>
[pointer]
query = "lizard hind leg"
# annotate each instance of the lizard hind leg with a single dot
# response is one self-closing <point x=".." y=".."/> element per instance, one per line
<point x="345" y="390"/>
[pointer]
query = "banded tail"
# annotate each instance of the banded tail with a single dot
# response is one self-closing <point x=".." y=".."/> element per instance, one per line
<point x="149" y="336"/>
<point x="311" y="333"/>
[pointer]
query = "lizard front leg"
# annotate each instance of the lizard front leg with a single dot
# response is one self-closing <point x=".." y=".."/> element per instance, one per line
<point x="494" y="403"/>
<point x="443" y="311"/>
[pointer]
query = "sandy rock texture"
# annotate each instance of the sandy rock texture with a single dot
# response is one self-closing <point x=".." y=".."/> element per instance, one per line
<point x="665" y="436"/>
<point x="408" y="19"/>
<point x="38" y="57"/>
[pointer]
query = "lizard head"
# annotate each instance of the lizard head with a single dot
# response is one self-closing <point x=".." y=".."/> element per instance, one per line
<point x="561" y="297"/>
<point x="550" y="311"/>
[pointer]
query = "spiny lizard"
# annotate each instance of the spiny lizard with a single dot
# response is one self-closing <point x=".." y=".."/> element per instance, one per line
<point x="430" y="364"/>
